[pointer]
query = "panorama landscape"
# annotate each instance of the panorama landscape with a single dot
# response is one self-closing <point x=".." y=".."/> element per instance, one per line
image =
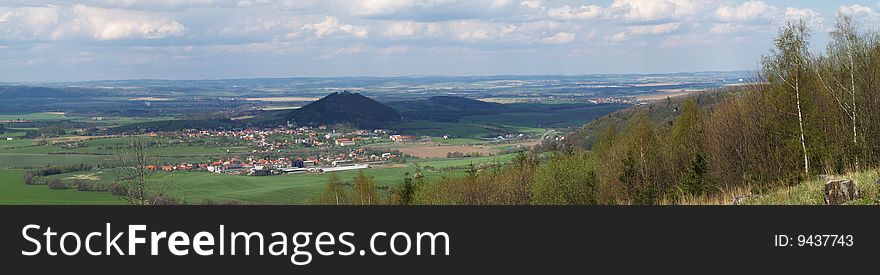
<point x="622" y="102"/>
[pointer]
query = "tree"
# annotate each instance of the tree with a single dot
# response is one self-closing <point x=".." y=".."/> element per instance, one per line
<point x="334" y="192"/>
<point x="139" y="185"/>
<point x="694" y="182"/>
<point x="2" y="128"/>
<point x="686" y="137"/>
<point x="787" y="66"/>
<point x="364" y="192"/>
<point x="568" y="179"/>
<point x="838" y="72"/>
<point x="403" y="194"/>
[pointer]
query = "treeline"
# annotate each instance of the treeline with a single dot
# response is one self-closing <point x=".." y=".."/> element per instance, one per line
<point x="806" y="114"/>
<point x="34" y="177"/>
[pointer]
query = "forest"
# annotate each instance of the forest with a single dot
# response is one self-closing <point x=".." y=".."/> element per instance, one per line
<point x="806" y="114"/>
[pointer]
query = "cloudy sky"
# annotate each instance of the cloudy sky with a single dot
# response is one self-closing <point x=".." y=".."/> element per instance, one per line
<point x="204" y="39"/>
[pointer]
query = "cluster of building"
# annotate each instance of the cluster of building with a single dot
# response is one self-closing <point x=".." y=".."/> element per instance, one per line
<point x="273" y="140"/>
<point x="356" y="159"/>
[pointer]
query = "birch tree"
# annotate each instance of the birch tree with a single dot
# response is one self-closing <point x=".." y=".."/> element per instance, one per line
<point x="837" y="72"/>
<point x="788" y="63"/>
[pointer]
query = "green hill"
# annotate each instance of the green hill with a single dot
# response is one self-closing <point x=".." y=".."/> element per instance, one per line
<point x="447" y="108"/>
<point x="339" y="108"/>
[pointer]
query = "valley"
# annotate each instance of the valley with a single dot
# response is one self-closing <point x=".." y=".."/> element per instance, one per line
<point x="275" y="141"/>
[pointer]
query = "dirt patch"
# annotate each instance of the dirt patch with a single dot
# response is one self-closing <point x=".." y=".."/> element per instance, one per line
<point x="442" y="151"/>
<point x="91" y="177"/>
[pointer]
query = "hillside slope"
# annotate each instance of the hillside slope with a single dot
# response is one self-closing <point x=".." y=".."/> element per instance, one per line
<point x="342" y="107"/>
<point x="662" y="112"/>
<point x="447" y="108"/>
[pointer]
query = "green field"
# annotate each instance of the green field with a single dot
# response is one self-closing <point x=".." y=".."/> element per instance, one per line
<point x="462" y="130"/>
<point x="33" y="116"/>
<point x="195" y="187"/>
<point x="24" y="154"/>
<point x="13" y="133"/>
<point x="14" y="191"/>
<point x="458" y="141"/>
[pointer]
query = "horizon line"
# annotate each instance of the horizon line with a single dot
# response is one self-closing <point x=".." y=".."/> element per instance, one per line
<point x="367" y="76"/>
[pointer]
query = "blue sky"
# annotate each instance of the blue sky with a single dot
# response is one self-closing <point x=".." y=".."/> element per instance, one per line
<point x="205" y="39"/>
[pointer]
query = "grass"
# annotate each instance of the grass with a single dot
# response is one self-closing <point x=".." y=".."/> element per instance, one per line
<point x="463" y="162"/>
<point x="13" y="191"/>
<point x="195" y="187"/>
<point x="34" y="116"/>
<point x="23" y="154"/>
<point x="435" y="129"/>
<point x="812" y="192"/>
<point x="457" y="141"/>
<point x="14" y="133"/>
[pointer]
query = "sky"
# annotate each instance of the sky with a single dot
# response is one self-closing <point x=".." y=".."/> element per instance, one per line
<point x="46" y="41"/>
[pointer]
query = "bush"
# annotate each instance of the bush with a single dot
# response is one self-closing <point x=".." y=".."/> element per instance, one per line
<point x="57" y="184"/>
<point x="569" y="179"/>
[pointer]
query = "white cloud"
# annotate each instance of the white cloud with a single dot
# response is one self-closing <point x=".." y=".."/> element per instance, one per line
<point x="28" y="22"/>
<point x="374" y="7"/>
<point x="156" y="4"/>
<point x="114" y="24"/>
<point x="476" y="31"/>
<point x="812" y="18"/>
<point x="654" y="29"/>
<point x="409" y="28"/>
<point x="724" y="28"/>
<point x="583" y="12"/>
<point x="748" y="11"/>
<point x="330" y="25"/>
<point x="532" y="4"/>
<point x="646" y="10"/>
<point x="859" y="10"/>
<point x="81" y="21"/>
<point x="559" y="38"/>
<point x="618" y="37"/>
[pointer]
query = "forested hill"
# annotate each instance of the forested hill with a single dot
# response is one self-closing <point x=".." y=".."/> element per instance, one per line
<point x="447" y="108"/>
<point x="31" y="92"/>
<point x="662" y="112"/>
<point x="343" y="107"/>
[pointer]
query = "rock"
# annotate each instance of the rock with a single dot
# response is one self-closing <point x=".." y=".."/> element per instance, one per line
<point x="841" y="191"/>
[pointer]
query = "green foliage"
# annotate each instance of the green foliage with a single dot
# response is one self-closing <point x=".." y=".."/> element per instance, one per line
<point x="566" y="180"/>
<point x="364" y="190"/>
<point x="334" y="193"/>
<point x="695" y="181"/>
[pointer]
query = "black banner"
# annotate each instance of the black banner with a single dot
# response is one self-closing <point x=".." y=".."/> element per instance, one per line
<point x="488" y="240"/>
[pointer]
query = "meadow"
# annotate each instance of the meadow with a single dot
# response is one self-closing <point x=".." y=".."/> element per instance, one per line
<point x="34" y="116"/>
<point x="199" y="187"/>
<point x="14" y="191"/>
<point x="100" y="151"/>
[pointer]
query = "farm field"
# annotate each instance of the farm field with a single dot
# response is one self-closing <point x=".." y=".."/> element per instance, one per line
<point x="14" y="191"/>
<point x="462" y="130"/>
<point x="438" y="151"/>
<point x="34" y="116"/>
<point x="197" y="187"/>
<point x="97" y="151"/>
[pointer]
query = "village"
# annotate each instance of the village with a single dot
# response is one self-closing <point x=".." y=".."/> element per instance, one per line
<point x="285" y="150"/>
